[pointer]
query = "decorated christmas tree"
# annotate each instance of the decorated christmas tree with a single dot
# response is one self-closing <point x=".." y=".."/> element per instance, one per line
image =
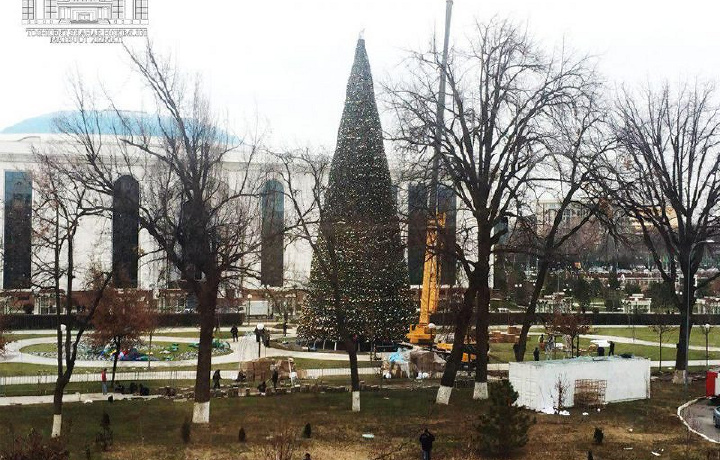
<point x="358" y="285"/>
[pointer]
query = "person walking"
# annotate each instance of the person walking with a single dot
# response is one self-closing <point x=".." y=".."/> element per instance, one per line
<point x="103" y="379"/>
<point x="285" y="328"/>
<point x="275" y="377"/>
<point x="216" y="379"/>
<point x="426" y="442"/>
<point x="536" y="354"/>
<point x="234" y="333"/>
<point x="611" y="351"/>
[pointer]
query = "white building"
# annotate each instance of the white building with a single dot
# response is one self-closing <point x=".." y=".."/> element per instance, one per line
<point x="280" y="266"/>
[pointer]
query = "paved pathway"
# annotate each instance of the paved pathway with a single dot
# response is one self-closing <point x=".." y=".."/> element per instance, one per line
<point x="240" y="350"/>
<point x="85" y="398"/>
<point x="618" y="339"/>
<point x="169" y="375"/>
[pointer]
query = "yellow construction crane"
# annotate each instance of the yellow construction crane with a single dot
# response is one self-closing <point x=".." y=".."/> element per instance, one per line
<point x="422" y="333"/>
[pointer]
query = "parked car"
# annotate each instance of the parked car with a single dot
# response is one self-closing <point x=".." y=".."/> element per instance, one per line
<point x="716" y="416"/>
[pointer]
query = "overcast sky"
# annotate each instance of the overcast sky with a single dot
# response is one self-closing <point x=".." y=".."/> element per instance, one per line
<point x="288" y="60"/>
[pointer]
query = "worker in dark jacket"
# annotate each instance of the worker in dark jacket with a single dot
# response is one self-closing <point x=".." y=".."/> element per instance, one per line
<point x="426" y="441"/>
<point x="216" y="379"/>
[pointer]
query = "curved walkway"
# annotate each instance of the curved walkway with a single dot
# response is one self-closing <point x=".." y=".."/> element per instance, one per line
<point x="239" y="351"/>
<point x="630" y="340"/>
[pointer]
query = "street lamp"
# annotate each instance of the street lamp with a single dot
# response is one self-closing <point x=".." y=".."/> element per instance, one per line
<point x="688" y="280"/>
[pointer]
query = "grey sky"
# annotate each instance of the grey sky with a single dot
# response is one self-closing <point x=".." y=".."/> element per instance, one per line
<point x="288" y="60"/>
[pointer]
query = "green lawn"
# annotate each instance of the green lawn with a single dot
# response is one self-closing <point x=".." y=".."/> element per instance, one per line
<point x="151" y="429"/>
<point x="12" y="337"/>
<point x="502" y="352"/>
<point x="645" y="333"/>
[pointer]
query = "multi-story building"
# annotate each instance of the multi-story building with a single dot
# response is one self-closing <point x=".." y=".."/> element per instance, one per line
<point x="282" y="265"/>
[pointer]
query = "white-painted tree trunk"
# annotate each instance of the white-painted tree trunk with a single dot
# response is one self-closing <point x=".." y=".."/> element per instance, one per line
<point x="679" y="377"/>
<point x="480" y="391"/>
<point x="201" y="412"/>
<point x="356" y="401"/>
<point x="57" y="425"/>
<point x="443" y="395"/>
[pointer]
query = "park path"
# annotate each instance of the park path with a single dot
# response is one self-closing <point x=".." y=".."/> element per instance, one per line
<point x="651" y="343"/>
<point x="240" y="351"/>
<point x="166" y="375"/>
<point x="85" y="398"/>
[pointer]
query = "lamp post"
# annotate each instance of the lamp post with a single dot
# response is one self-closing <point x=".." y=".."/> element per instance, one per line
<point x="688" y="280"/>
<point x="259" y="335"/>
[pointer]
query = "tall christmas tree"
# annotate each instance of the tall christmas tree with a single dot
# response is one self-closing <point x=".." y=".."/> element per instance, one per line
<point x="358" y="280"/>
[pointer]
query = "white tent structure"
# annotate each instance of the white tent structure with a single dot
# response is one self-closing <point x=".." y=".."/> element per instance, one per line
<point x="613" y="378"/>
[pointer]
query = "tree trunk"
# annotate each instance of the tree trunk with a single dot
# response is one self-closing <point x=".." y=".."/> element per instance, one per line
<point x="683" y="345"/>
<point x="482" y="320"/>
<point x="207" y="300"/>
<point x="462" y="321"/>
<point x="351" y="347"/>
<point x="63" y="376"/>
<point x="60" y="384"/>
<point x="529" y="317"/>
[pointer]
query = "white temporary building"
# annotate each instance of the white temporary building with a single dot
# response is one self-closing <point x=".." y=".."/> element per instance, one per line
<point x="617" y="378"/>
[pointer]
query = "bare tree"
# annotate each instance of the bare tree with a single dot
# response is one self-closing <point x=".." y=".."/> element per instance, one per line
<point x="504" y="91"/>
<point x="665" y="175"/>
<point x="571" y="325"/>
<point x="122" y="318"/>
<point x="62" y="205"/>
<point x="661" y="329"/>
<point x="574" y="151"/>
<point x="200" y="194"/>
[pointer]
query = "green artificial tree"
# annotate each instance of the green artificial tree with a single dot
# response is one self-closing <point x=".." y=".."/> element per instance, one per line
<point x="503" y="427"/>
<point x="358" y="287"/>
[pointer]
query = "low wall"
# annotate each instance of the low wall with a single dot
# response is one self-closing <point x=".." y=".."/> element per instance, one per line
<point x="25" y="322"/>
<point x="597" y="319"/>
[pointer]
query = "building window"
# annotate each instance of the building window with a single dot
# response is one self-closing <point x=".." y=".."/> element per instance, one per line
<point x="125" y="221"/>
<point x="18" y="229"/>
<point x="28" y="10"/>
<point x="118" y="7"/>
<point x="448" y="262"/>
<point x="51" y="9"/>
<point x="417" y="229"/>
<point x="273" y="223"/>
<point x="141" y="10"/>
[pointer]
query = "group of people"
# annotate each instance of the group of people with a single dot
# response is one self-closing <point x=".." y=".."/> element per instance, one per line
<point x="262" y="387"/>
<point x="549" y="346"/>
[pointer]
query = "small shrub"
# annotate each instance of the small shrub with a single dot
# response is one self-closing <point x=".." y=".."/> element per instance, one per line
<point x="503" y="427"/>
<point x="104" y="438"/>
<point x="281" y="446"/>
<point x="598" y="436"/>
<point x="185" y="430"/>
<point x="307" y="431"/>
<point x="241" y="435"/>
<point x="35" y="447"/>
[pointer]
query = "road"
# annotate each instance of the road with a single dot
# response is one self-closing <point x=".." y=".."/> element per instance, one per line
<point x="697" y="416"/>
